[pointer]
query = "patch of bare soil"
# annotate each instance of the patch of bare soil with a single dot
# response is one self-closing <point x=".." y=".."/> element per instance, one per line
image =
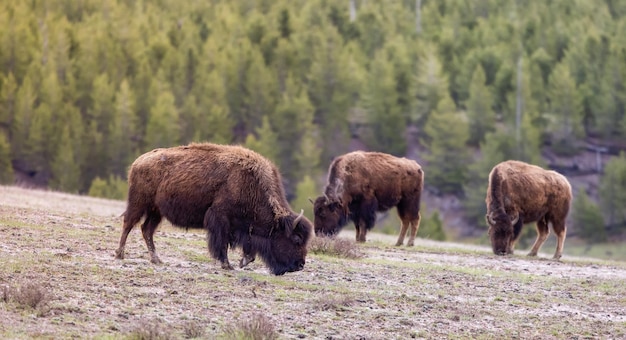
<point x="65" y="244"/>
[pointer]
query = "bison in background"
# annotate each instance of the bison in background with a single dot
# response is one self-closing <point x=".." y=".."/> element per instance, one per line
<point x="363" y="183"/>
<point x="520" y="193"/>
<point x="233" y="192"/>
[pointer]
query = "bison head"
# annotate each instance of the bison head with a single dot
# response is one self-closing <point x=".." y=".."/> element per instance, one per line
<point x="288" y="248"/>
<point x="330" y="216"/>
<point x="501" y="232"/>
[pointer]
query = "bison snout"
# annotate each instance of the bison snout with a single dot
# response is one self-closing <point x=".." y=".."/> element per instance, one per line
<point x="299" y="265"/>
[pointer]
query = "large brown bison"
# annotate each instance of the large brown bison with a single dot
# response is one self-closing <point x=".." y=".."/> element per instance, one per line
<point x="520" y="193"/>
<point x="363" y="183"/>
<point x="233" y="192"/>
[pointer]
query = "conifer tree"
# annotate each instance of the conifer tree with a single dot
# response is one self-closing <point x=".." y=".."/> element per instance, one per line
<point x="24" y="111"/>
<point x="565" y="106"/>
<point x="481" y="116"/>
<point x="65" y="168"/>
<point x="6" y="168"/>
<point x="447" y="132"/>
<point x="123" y="139"/>
<point x="8" y="97"/>
<point x="587" y="218"/>
<point x="305" y="190"/>
<point x="266" y="142"/>
<point x="163" y="128"/>
<point x="612" y="191"/>
<point x="380" y="99"/>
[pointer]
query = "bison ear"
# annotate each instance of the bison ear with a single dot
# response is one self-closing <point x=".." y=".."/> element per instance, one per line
<point x="297" y="239"/>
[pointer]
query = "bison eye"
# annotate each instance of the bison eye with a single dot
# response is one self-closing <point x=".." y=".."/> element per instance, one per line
<point x="297" y="239"/>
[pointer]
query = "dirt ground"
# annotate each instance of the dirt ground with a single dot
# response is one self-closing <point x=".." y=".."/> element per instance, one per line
<point x="65" y="244"/>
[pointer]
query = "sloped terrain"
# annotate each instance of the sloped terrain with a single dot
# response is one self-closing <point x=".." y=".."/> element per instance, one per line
<point x="64" y="244"/>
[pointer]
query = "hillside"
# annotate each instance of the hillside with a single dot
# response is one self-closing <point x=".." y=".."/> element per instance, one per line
<point x="61" y="247"/>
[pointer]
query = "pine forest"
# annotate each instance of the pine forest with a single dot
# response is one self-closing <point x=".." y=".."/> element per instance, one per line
<point x="86" y="86"/>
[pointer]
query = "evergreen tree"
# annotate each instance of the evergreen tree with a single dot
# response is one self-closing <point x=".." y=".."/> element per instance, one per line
<point x="380" y="100"/>
<point x="266" y="142"/>
<point x="305" y="191"/>
<point x="612" y="191"/>
<point x="6" y="168"/>
<point x="447" y="132"/>
<point x="566" y="110"/>
<point x="65" y="168"/>
<point x="587" y="218"/>
<point x="8" y="94"/>
<point x="122" y="141"/>
<point x="24" y="112"/>
<point x="431" y="86"/>
<point x="431" y="227"/>
<point x="163" y="128"/>
<point x="481" y="116"/>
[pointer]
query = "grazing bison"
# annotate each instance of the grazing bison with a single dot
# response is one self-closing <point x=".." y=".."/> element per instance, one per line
<point x="362" y="183"/>
<point x="520" y="193"/>
<point x="233" y="192"/>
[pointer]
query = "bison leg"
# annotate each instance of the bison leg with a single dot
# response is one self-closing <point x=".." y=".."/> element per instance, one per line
<point x="542" y="236"/>
<point x="560" y="231"/>
<point x="415" y="225"/>
<point x="218" y="238"/>
<point x="148" y="228"/>
<point x="248" y="254"/>
<point x="130" y="220"/>
<point x="410" y="220"/>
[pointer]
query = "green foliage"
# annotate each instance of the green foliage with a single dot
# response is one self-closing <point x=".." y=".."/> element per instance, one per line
<point x="613" y="191"/>
<point x="132" y="76"/>
<point x="6" y="168"/>
<point x="481" y="116"/>
<point x="112" y="187"/>
<point x="305" y="190"/>
<point x="565" y="109"/>
<point x="587" y="218"/>
<point x="431" y="228"/>
<point x="65" y="169"/>
<point x="447" y="133"/>
<point x="265" y="143"/>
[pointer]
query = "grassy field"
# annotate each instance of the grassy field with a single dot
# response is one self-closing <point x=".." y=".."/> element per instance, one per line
<point x="59" y="279"/>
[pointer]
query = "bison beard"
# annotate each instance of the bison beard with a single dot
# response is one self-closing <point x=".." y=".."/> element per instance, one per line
<point x="363" y="183"/>
<point x="233" y="192"/>
<point x="520" y="193"/>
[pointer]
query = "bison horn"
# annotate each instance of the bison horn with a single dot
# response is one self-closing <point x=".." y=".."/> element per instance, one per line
<point x="310" y="200"/>
<point x="295" y="222"/>
<point x="327" y="199"/>
<point x="514" y="220"/>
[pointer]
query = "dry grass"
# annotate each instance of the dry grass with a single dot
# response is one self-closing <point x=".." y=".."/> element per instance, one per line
<point x="433" y="290"/>
<point x="339" y="247"/>
<point x="253" y="327"/>
<point x="151" y="330"/>
<point x="31" y="295"/>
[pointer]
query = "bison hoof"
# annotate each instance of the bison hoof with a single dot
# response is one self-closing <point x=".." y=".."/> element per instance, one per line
<point x="245" y="261"/>
<point x="119" y="255"/>
<point x="227" y="266"/>
<point x="156" y="260"/>
<point x="532" y="254"/>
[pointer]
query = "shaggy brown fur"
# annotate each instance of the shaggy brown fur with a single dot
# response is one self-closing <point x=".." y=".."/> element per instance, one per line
<point x="521" y="193"/>
<point x="363" y="183"/>
<point x="233" y="192"/>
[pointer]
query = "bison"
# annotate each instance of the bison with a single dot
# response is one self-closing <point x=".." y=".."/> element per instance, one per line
<point x="520" y="193"/>
<point x="363" y="183"/>
<point x="232" y="192"/>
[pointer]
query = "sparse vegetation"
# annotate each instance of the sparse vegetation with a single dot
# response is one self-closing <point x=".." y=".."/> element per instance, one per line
<point x="65" y="244"/>
<point x="251" y="327"/>
<point x="31" y="295"/>
<point x="340" y="247"/>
